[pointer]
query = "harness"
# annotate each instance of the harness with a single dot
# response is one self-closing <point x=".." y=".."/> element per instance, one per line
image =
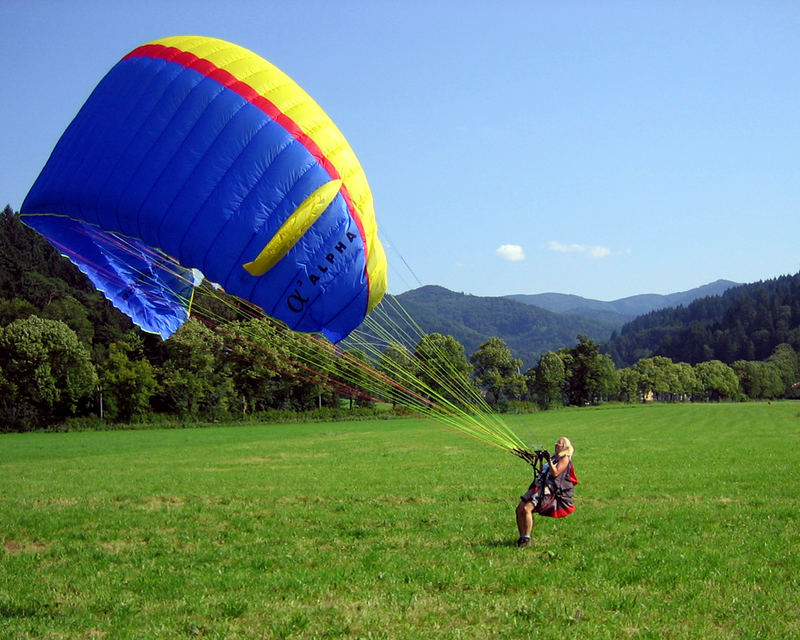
<point x="547" y="493"/>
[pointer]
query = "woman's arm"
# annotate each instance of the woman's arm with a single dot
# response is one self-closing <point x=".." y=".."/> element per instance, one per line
<point x="558" y="467"/>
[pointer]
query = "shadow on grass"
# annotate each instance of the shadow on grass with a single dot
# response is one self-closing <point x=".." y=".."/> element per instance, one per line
<point x="505" y="542"/>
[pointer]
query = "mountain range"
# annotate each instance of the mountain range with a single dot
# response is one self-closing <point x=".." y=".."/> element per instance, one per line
<point x="624" y="309"/>
<point x="534" y="324"/>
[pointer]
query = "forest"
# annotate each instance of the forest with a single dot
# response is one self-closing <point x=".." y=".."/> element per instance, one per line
<point x="68" y="359"/>
<point x="745" y="323"/>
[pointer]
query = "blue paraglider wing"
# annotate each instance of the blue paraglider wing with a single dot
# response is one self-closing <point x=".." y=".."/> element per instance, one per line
<point x="193" y="153"/>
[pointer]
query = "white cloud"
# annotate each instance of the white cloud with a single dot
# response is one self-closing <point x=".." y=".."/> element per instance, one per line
<point x="598" y="252"/>
<point x="591" y="251"/>
<point x="511" y="252"/>
<point x="565" y="248"/>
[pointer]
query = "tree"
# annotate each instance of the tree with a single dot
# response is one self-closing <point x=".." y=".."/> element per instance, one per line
<point x="275" y="368"/>
<point x="16" y="309"/>
<point x="549" y="379"/>
<point x="73" y="314"/>
<point x="254" y="365"/>
<point x="630" y="384"/>
<point x="717" y="380"/>
<point x="441" y="366"/>
<point x="497" y="371"/>
<point x="313" y="388"/>
<point x="9" y="410"/>
<point x="47" y="371"/>
<point x="590" y="375"/>
<point x="41" y="290"/>
<point x="193" y="379"/>
<point x="758" y="380"/>
<point x="127" y="380"/>
<point x="688" y="385"/>
<point x="607" y="378"/>
<point x="657" y="375"/>
<point x="353" y="370"/>
<point x="399" y="381"/>
<point x="787" y="364"/>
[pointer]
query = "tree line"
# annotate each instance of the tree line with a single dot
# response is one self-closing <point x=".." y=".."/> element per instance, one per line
<point x="65" y="352"/>
<point x="47" y="374"/>
<point x="583" y="375"/>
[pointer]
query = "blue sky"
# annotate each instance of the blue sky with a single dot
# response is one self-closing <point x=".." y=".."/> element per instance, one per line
<point x="597" y="148"/>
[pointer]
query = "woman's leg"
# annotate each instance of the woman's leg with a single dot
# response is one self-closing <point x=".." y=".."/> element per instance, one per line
<point x="525" y="518"/>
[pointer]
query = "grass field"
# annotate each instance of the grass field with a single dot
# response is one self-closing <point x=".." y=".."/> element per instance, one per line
<point x="686" y="527"/>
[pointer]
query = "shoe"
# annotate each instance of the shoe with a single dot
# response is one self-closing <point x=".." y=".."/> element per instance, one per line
<point x="524" y="542"/>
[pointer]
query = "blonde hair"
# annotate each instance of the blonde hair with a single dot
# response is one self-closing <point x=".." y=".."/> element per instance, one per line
<point x="568" y="450"/>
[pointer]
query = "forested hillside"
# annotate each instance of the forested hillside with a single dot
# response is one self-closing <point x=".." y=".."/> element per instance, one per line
<point x="34" y="278"/>
<point x="745" y="323"/>
<point x="528" y="330"/>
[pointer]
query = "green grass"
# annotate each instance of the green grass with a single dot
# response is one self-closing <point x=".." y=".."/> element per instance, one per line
<point x="686" y="527"/>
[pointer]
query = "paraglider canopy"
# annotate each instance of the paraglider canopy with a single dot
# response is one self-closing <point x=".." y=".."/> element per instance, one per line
<point x="196" y="154"/>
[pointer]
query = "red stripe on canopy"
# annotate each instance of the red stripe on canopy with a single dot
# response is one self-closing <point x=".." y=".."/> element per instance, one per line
<point x="246" y="91"/>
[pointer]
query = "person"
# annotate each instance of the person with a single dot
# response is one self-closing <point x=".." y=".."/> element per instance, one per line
<point x="551" y="493"/>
